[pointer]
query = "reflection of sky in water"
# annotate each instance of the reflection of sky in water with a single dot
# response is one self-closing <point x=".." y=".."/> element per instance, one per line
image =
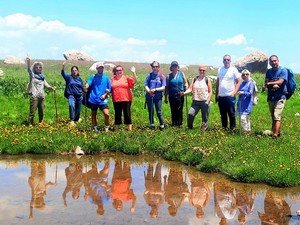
<point x="15" y="197"/>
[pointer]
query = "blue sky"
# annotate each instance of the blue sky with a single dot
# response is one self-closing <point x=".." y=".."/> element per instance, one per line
<point x="191" y="32"/>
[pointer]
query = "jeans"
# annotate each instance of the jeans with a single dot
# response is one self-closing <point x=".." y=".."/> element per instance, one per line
<point x="74" y="107"/>
<point x="158" y="107"/>
<point x="227" y="109"/>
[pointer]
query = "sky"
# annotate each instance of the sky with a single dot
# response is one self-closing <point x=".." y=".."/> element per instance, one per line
<point x="188" y="31"/>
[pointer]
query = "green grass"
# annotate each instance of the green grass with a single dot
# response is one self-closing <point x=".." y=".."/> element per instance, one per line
<point x="253" y="158"/>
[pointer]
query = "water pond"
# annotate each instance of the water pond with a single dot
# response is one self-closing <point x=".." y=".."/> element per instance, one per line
<point x="119" y="189"/>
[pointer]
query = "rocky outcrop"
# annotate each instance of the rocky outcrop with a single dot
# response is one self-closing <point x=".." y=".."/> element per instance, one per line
<point x="13" y="60"/>
<point x="254" y="62"/>
<point x="77" y="56"/>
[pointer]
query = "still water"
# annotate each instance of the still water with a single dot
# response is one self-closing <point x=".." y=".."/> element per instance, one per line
<point x="119" y="189"/>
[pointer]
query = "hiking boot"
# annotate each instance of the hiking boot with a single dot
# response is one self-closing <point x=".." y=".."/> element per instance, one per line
<point x="106" y="128"/>
<point x="152" y="127"/>
<point x="204" y="126"/>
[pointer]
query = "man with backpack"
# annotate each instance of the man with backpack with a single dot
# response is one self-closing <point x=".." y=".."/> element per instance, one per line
<point x="276" y="82"/>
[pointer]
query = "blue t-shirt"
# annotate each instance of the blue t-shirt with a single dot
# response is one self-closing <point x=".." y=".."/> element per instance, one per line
<point x="175" y="85"/>
<point x="152" y="81"/>
<point x="98" y="83"/>
<point x="273" y="75"/>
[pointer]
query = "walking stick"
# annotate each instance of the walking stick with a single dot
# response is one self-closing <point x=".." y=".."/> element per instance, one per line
<point x="55" y="104"/>
<point x="186" y="109"/>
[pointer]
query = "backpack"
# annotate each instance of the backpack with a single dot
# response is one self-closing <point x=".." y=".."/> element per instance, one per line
<point x="206" y="80"/>
<point x="291" y="83"/>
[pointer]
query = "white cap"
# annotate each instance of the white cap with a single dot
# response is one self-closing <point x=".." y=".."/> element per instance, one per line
<point x="99" y="64"/>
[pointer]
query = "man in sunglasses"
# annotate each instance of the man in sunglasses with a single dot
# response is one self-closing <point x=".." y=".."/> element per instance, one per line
<point x="228" y="82"/>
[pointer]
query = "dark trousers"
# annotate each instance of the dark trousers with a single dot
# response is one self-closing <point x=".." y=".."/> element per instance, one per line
<point x="36" y="103"/>
<point x="227" y="109"/>
<point x="124" y="107"/>
<point x="176" y="105"/>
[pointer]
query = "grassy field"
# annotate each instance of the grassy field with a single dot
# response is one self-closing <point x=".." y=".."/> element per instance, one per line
<point x="251" y="158"/>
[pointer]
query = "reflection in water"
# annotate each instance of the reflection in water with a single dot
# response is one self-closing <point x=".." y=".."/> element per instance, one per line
<point x="277" y="210"/>
<point x="176" y="189"/>
<point x="200" y="194"/>
<point x="154" y="195"/>
<point x="74" y="176"/>
<point x="158" y="192"/>
<point x="225" y="201"/>
<point x="245" y="202"/>
<point x="120" y="186"/>
<point x="96" y="186"/>
<point x="38" y="185"/>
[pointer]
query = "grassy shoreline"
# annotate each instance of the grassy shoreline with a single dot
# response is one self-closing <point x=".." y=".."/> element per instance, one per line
<point x="253" y="158"/>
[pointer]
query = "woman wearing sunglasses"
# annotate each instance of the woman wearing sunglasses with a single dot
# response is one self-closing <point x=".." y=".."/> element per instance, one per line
<point x="121" y="91"/>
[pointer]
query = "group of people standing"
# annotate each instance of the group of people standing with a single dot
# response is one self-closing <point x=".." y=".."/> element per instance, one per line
<point x="230" y="83"/>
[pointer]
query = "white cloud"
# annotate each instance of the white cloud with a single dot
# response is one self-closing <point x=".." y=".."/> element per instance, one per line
<point x="20" y="33"/>
<point x="235" y="40"/>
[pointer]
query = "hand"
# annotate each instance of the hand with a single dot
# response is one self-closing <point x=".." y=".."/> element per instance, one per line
<point x="54" y="88"/>
<point x="132" y="69"/>
<point x="217" y="98"/>
<point x="103" y="96"/>
<point x="240" y="92"/>
<point x="152" y="91"/>
<point x="276" y="86"/>
<point x="27" y="57"/>
<point x="132" y="209"/>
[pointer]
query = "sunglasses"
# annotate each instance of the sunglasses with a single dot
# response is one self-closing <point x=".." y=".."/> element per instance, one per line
<point x="155" y="66"/>
<point x="245" y="74"/>
<point x="226" y="59"/>
<point x="201" y="70"/>
<point x="119" y="70"/>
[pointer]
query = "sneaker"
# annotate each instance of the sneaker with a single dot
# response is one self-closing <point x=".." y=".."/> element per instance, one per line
<point x="152" y="127"/>
<point x="106" y="128"/>
<point x="161" y="127"/>
<point x="204" y="126"/>
<point x="79" y="121"/>
<point x="95" y="129"/>
<point x="72" y="124"/>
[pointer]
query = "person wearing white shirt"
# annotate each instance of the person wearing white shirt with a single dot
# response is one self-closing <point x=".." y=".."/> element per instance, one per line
<point x="228" y="82"/>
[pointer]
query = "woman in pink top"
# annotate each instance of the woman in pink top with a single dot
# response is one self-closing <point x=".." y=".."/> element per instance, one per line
<point x="122" y="95"/>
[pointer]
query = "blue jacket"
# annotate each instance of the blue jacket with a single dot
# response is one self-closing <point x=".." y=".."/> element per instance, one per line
<point x="152" y="81"/>
<point x="74" y="85"/>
